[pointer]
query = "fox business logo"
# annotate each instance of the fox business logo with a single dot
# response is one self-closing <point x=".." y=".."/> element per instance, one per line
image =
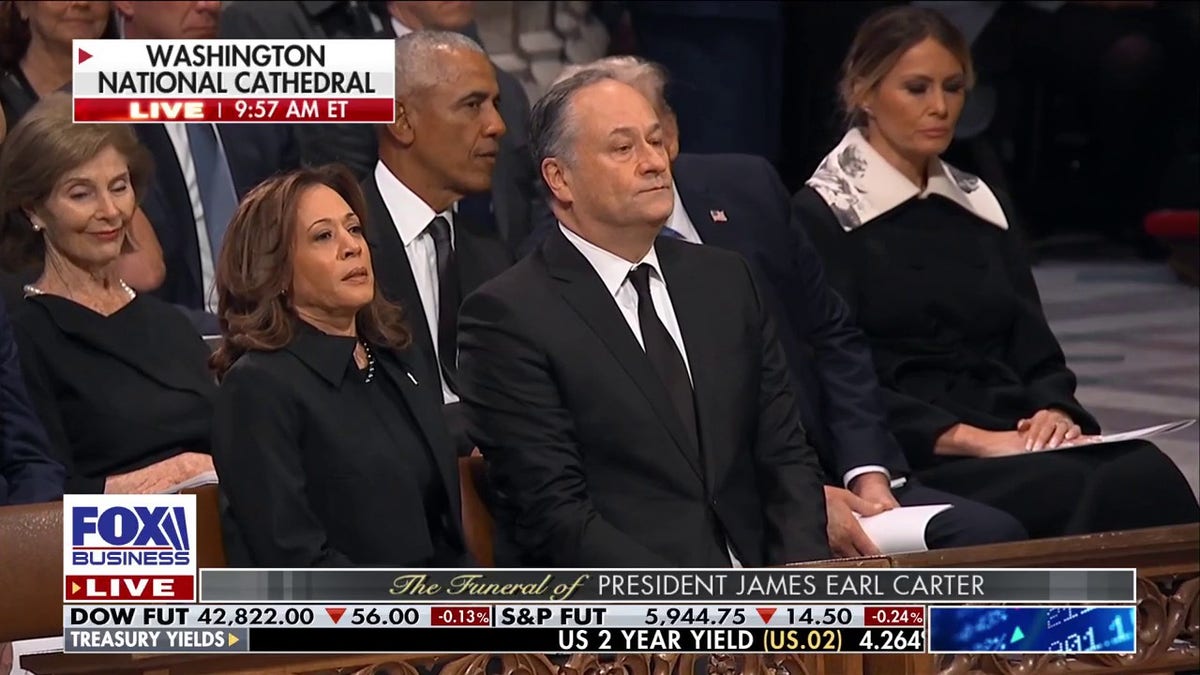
<point x="131" y="531"/>
<point x="141" y="535"/>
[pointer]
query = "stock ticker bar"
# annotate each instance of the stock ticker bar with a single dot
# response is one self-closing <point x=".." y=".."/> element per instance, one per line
<point x="662" y="586"/>
<point x="494" y="640"/>
<point x="624" y="627"/>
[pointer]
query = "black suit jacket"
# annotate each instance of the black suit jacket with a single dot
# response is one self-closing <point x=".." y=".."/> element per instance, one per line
<point x="480" y="254"/>
<point x="313" y="479"/>
<point x="27" y="472"/>
<point x="829" y="356"/>
<point x="582" y="437"/>
<point x="830" y="360"/>
<point x="254" y="151"/>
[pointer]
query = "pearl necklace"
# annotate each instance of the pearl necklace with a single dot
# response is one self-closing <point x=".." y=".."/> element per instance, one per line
<point x="30" y="289"/>
<point x="370" y="361"/>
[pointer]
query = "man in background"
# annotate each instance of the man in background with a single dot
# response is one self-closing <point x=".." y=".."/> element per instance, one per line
<point x="201" y="170"/>
<point x="443" y="146"/>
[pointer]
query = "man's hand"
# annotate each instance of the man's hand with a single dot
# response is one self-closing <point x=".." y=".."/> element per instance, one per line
<point x="846" y="537"/>
<point x="876" y="488"/>
<point x="1048" y="429"/>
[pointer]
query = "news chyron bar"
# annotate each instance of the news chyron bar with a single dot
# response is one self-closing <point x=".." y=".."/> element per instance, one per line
<point x="243" y="81"/>
<point x="131" y="584"/>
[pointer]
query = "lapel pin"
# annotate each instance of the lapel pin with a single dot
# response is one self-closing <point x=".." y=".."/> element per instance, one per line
<point x="410" y="376"/>
<point x="718" y="216"/>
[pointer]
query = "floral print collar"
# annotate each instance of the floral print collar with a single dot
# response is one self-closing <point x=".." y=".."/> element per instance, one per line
<point x="859" y="185"/>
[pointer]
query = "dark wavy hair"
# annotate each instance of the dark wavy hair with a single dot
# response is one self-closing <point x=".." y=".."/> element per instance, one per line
<point x="254" y="269"/>
<point x="43" y="146"/>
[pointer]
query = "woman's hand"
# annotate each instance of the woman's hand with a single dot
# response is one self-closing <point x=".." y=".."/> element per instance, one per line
<point x="964" y="440"/>
<point x="1048" y="429"/>
<point x="160" y="476"/>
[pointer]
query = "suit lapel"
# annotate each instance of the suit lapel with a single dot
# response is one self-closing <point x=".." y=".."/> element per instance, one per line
<point x="702" y="200"/>
<point x="171" y="190"/>
<point x="479" y="258"/>
<point x="392" y="269"/>
<point x="425" y="405"/>
<point x="582" y="289"/>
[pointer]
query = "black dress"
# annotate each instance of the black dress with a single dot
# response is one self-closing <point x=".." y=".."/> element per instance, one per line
<point x="116" y="393"/>
<point x="954" y="320"/>
<point x="322" y="468"/>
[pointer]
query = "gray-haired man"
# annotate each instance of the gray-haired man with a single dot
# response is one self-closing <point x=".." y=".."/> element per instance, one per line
<point x="630" y="395"/>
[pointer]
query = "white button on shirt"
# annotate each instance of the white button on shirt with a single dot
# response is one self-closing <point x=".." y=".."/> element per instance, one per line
<point x="412" y="216"/>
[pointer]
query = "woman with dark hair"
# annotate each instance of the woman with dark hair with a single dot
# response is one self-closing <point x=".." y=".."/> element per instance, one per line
<point x="329" y="440"/>
<point x="119" y="379"/>
<point x="975" y="383"/>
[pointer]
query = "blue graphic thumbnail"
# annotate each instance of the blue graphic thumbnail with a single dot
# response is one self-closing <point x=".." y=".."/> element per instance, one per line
<point x="1066" y="630"/>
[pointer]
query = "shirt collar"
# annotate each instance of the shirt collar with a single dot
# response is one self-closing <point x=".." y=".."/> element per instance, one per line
<point x="679" y="219"/>
<point x="328" y="355"/>
<point x="612" y="268"/>
<point x="409" y="212"/>
<point x="400" y="29"/>
<point x="859" y="185"/>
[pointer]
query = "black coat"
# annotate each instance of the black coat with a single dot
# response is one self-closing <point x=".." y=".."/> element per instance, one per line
<point x="316" y="478"/>
<point x="581" y="435"/>
<point x="115" y="393"/>
<point x="952" y="313"/>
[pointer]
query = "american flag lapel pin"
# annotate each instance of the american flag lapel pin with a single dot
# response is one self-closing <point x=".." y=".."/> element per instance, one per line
<point x="718" y="216"/>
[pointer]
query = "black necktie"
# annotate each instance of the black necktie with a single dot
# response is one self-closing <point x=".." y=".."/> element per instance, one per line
<point x="664" y="354"/>
<point x="448" y="301"/>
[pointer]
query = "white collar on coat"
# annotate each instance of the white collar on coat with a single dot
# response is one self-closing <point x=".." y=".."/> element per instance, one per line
<point x="859" y="185"/>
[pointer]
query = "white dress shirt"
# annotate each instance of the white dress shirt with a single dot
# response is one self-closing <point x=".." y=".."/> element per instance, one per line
<point x="682" y="223"/>
<point x="679" y="220"/>
<point x="412" y="216"/>
<point x="177" y="132"/>
<point x="614" y="272"/>
<point x="400" y="29"/>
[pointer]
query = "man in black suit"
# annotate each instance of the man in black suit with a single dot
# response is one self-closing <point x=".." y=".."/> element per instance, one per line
<point x="28" y="474"/>
<point x="515" y="200"/>
<point x="631" y="396"/>
<point x="441" y="148"/>
<point x="738" y="202"/>
<point x="201" y="170"/>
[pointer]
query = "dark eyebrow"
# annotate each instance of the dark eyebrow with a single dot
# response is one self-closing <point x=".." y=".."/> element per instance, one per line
<point x="473" y="97"/>
<point x="350" y="215"/>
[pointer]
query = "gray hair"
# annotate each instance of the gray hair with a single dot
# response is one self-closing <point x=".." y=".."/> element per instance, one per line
<point x="550" y="121"/>
<point x="646" y="76"/>
<point x="417" y="64"/>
